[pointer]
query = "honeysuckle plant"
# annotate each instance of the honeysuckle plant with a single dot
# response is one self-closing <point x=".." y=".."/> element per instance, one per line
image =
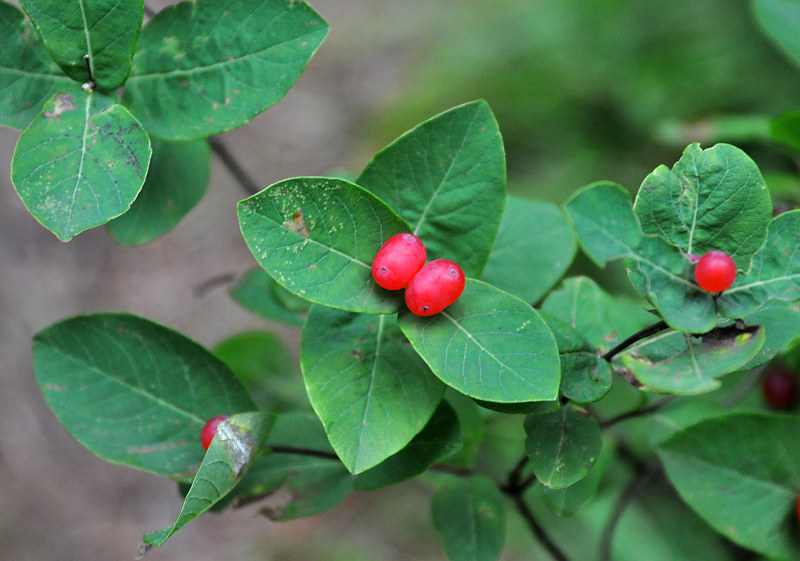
<point x="512" y="396"/>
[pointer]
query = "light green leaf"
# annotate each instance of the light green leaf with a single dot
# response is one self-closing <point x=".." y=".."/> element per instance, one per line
<point x="581" y="304"/>
<point x="208" y="66"/>
<point x="239" y="440"/>
<point x="713" y="199"/>
<point x="781" y="322"/>
<point x="80" y="163"/>
<point x="105" y="30"/>
<point x="779" y="19"/>
<point x="258" y="293"/>
<point x="367" y="385"/>
<point x="740" y="474"/>
<point x="447" y="179"/>
<point x="134" y="392"/>
<point x="562" y="445"/>
<point x="175" y="183"/>
<point x="318" y="236"/>
<point x="489" y="345"/>
<point x="28" y="75"/>
<point x="534" y="246"/>
<point x="470" y="516"/>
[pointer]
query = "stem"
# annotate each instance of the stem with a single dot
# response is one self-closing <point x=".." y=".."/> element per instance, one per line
<point x="148" y="11"/>
<point x="244" y="179"/>
<point x="638" y="336"/>
<point x="649" y="408"/>
<point x="304" y="452"/>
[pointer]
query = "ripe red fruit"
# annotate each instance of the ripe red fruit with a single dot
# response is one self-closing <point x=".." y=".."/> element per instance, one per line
<point x="779" y="388"/>
<point x="209" y="430"/>
<point x="437" y="285"/>
<point x="398" y="260"/>
<point x="715" y="271"/>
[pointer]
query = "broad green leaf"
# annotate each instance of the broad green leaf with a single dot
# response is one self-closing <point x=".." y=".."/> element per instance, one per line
<point x="105" y="30"/>
<point x="713" y="199"/>
<point x="258" y="293"/>
<point x="175" y="183"/>
<point x="239" y="440"/>
<point x="680" y="363"/>
<point x="775" y="273"/>
<point x="785" y="129"/>
<point x="581" y="304"/>
<point x="317" y="237"/>
<point x="740" y="474"/>
<point x="315" y="483"/>
<point x="367" y="385"/>
<point x="470" y="516"/>
<point x="208" y="66"/>
<point x="440" y="439"/>
<point x="780" y="20"/>
<point x="489" y="345"/>
<point x="28" y="75"/>
<point x="80" y="163"/>
<point x="134" y="392"/>
<point x="447" y="179"/>
<point x="781" y="322"/>
<point x="534" y="246"/>
<point x="562" y="445"/>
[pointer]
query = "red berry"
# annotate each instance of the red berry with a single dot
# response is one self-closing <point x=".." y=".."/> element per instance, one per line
<point x="437" y="285"/>
<point x="398" y="260"/>
<point x="715" y="271"/>
<point x="798" y="508"/>
<point x="209" y="430"/>
<point x="780" y="389"/>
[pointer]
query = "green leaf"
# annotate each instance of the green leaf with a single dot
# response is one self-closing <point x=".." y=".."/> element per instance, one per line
<point x="779" y="19"/>
<point x="205" y="67"/>
<point x="440" y="439"/>
<point x="785" y="129"/>
<point x="447" y="179"/>
<point x="175" y="183"/>
<point x="562" y="445"/>
<point x="781" y="322"/>
<point x="105" y="30"/>
<point x="134" y="392"/>
<point x="489" y="345"/>
<point x="239" y="440"/>
<point x="80" y="163"/>
<point x="534" y="247"/>
<point x="367" y="385"/>
<point x="684" y="364"/>
<point x="582" y="305"/>
<point x="713" y="199"/>
<point x="775" y="273"/>
<point x="28" y="75"/>
<point x="318" y="236"/>
<point x="258" y="293"/>
<point x="315" y="483"/>
<point x="470" y="516"/>
<point x="739" y="473"/>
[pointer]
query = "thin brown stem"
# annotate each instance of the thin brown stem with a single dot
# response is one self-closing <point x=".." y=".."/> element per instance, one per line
<point x="243" y="178"/>
<point x="638" y="336"/>
<point x="646" y="410"/>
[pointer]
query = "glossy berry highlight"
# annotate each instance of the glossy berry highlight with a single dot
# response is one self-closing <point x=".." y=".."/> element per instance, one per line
<point x="398" y="260"/>
<point x="779" y="388"/>
<point x="437" y="285"/>
<point x="209" y="430"/>
<point x="715" y="271"/>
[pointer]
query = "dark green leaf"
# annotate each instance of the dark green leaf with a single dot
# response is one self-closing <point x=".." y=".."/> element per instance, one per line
<point x="562" y="445"/>
<point x="239" y="440"/>
<point x="80" y="163"/>
<point x="470" y="516"/>
<point x="28" y="75"/>
<point x="367" y="385"/>
<point x="447" y="179"/>
<point x="257" y="292"/>
<point x="534" y="246"/>
<point x="105" y="30"/>
<point x="209" y="66"/>
<point x="713" y="199"/>
<point x="134" y="392"/>
<point x="781" y="322"/>
<point x="318" y="236"/>
<point x="785" y="129"/>
<point x="175" y="183"/>
<point x="568" y="500"/>
<point x="440" y="439"/>
<point x="779" y="19"/>
<point x="488" y="345"/>
<point x="739" y="473"/>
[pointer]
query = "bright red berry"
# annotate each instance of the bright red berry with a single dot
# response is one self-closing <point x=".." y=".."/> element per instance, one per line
<point x="437" y="285"/>
<point x="209" y="430"/>
<point x="398" y="260"/>
<point x="779" y="387"/>
<point x="715" y="271"/>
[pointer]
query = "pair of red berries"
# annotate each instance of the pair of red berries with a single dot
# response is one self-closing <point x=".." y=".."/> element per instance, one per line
<point x="430" y="288"/>
<point x="715" y="271"/>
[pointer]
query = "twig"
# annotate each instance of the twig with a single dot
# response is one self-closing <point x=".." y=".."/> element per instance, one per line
<point x="148" y="11"/>
<point x="638" y="336"/>
<point x="244" y="179"/>
<point x="647" y="409"/>
<point x="303" y="452"/>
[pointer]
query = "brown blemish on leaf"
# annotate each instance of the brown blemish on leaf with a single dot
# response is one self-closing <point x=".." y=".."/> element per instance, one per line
<point x="61" y="104"/>
<point x="298" y="223"/>
<point x="356" y="353"/>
